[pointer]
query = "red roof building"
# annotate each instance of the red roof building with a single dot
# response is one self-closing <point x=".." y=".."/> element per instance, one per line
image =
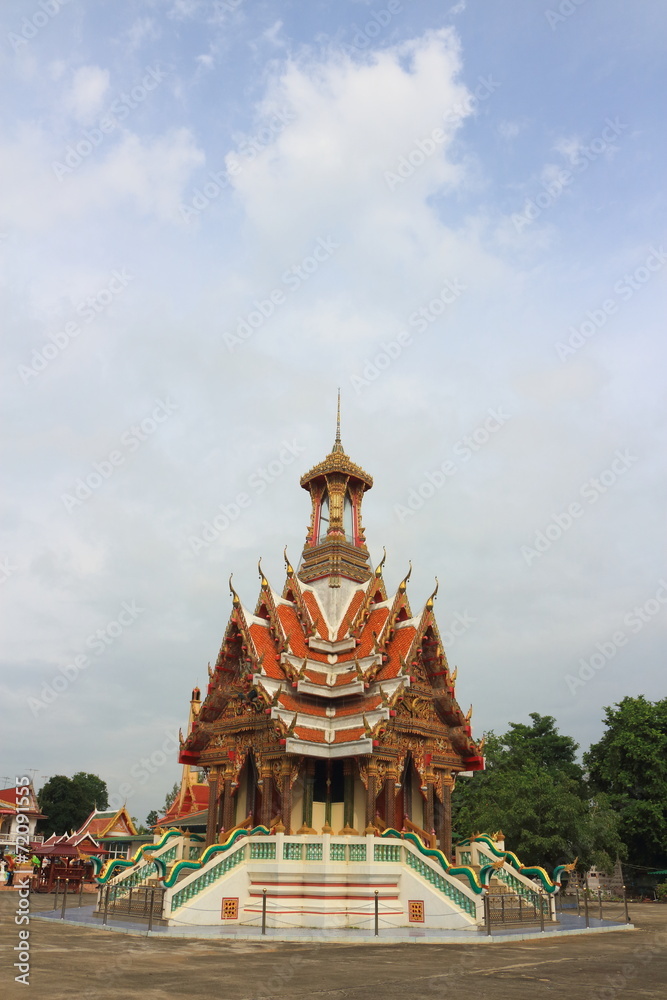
<point x="332" y="704"/>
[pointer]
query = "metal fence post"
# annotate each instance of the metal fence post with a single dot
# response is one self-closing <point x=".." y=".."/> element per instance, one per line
<point x="80" y="890"/>
<point x="263" y="911"/>
<point x="576" y="889"/>
<point x="55" y="898"/>
<point x="600" y="903"/>
<point x="150" y="912"/>
<point x="64" y="906"/>
<point x="541" y="901"/>
<point x="588" y="922"/>
<point x="502" y="908"/>
<point x="520" y="913"/>
<point x="106" y="904"/>
<point x="377" y="912"/>
<point x="625" y="905"/>
<point x="487" y="913"/>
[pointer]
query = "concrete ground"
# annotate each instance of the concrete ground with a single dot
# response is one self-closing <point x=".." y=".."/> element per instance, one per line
<point x="98" y="964"/>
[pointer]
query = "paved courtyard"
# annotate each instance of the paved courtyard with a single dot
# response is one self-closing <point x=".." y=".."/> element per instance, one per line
<point x="84" y="962"/>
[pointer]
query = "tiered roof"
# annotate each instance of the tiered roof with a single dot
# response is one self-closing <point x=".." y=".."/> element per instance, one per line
<point x="332" y="673"/>
<point x="333" y="658"/>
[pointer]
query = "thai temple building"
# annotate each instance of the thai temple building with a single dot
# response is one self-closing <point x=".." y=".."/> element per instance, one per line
<point x="331" y="738"/>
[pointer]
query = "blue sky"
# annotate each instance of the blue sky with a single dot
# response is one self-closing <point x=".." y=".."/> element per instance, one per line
<point x="214" y="214"/>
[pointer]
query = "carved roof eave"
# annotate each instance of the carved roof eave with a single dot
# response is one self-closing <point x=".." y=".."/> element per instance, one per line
<point x="444" y="698"/>
<point x="337" y="462"/>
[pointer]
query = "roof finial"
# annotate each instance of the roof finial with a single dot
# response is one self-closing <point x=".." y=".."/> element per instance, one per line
<point x="338" y="447"/>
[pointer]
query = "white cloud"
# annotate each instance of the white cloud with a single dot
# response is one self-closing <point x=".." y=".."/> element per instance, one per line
<point x="85" y="97"/>
<point x="149" y="174"/>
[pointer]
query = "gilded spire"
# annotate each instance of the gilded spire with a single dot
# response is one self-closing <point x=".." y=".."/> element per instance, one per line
<point x="338" y="446"/>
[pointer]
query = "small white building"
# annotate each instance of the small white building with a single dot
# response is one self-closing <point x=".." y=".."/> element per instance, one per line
<point x="9" y="813"/>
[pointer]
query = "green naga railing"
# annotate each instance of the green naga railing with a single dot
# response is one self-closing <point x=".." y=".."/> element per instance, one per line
<point x="434" y="852"/>
<point x="530" y="895"/>
<point x="510" y="858"/>
<point x="210" y="852"/>
<point x="439" y="856"/>
<point x="215" y="872"/>
<point x="112" y="867"/>
<point x="459" y="898"/>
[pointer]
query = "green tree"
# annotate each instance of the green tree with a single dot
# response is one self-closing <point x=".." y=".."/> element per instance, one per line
<point x="535" y="792"/>
<point x="67" y="802"/>
<point x="152" y="818"/>
<point x="170" y="797"/>
<point x="629" y="764"/>
<point x="94" y="789"/>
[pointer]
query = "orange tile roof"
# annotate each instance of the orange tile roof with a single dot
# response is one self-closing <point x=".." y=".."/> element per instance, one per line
<point x="348" y="735"/>
<point x="312" y="735"/>
<point x="399" y="646"/>
<point x="348" y="617"/>
<point x="360" y="707"/>
<point x="266" y="650"/>
<point x="293" y="629"/>
<point x="293" y="704"/>
<point x="316" y="613"/>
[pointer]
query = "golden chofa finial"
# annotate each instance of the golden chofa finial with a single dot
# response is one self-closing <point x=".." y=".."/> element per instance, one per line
<point x="236" y="600"/>
<point x="404" y="582"/>
<point x="290" y="570"/>
<point x="265" y="582"/>
<point x="429" y="603"/>
<point x="338" y="446"/>
<point x="378" y="568"/>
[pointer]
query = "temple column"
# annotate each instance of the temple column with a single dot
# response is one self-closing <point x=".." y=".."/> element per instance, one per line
<point x="227" y="805"/>
<point x="211" y="819"/>
<point x="407" y="791"/>
<point x="446" y="829"/>
<point x="348" y="798"/>
<point x="429" y="815"/>
<point x="390" y="800"/>
<point x="371" y="794"/>
<point x="251" y="785"/>
<point x="286" y="795"/>
<point x="308" y="788"/>
<point x="266" y="779"/>
<point x="327" y="799"/>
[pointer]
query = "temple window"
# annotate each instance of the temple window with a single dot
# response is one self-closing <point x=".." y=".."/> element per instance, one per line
<point x="324" y="518"/>
<point x="348" y="518"/>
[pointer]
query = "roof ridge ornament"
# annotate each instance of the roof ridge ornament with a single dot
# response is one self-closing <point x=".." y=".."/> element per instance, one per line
<point x="429" y="603"/>
<point x="236" y="600"/>
<point x="404" y="582"/>
<point x="338" y="446"/>
<point x="378" y="568"/>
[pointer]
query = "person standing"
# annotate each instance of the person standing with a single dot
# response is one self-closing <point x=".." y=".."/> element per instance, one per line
<point x="10" y="861"/>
